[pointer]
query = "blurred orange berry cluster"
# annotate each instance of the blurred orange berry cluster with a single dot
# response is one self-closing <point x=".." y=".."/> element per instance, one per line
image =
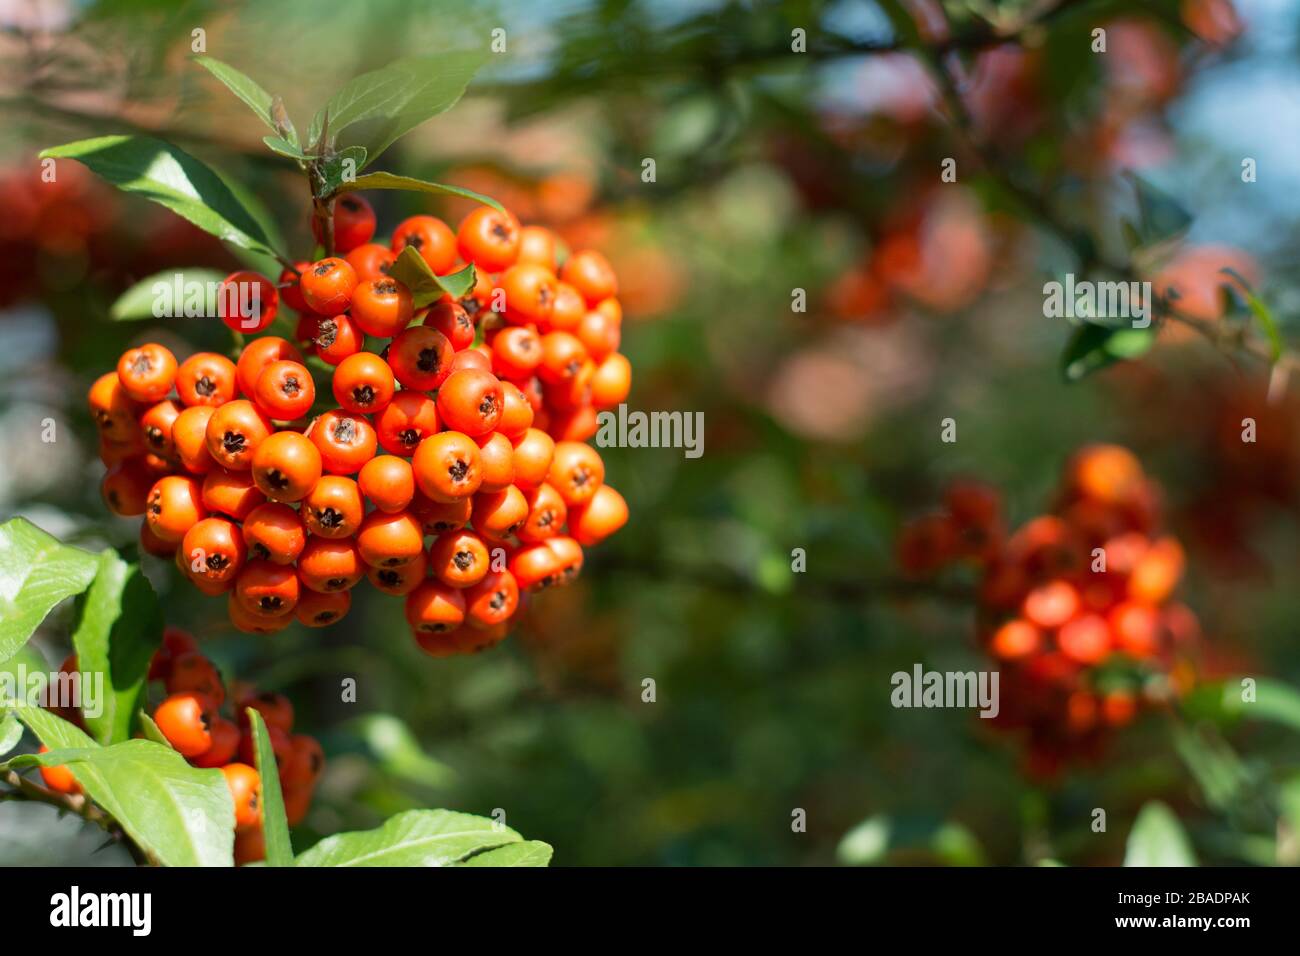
<point x="467" y="424"/>
<point x="1077" y="605"/>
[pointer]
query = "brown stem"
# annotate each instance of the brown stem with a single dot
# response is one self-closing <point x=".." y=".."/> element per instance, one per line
<point x="76" y="803"/>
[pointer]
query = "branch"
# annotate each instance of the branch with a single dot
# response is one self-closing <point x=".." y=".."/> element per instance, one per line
<point x="75" y="803"/>
<point x="1085" y="249"/>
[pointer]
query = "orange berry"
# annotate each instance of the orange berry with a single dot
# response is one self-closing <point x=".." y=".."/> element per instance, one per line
<point x="1085" y="639"/>
<point x="215" y="550"/>
<point x="447" y="466"/>
<point x="231" y="493"/>
<point x="246" y="791"/>
<point x="175" y="505"/>
<point x="600" y="517"/>
<point x="382" y="307"/>
<point x="327" y="285"/>
<point x="459" y="559"/>
<point x="346" y="441"/>
<point x="247" y="302"/>
<point x="534" y="453"/>
<point x="286" y="466"/>
<point x="363" y="383"/>
<point x="256" y="356"/>
<point x="402" y="579"/>
<point x="547" y="513"/>
<point x="408" y="419"/>
<point x="1014" y="640"/>
<point x="113" y="409"/>
<point x="274" y="532"/>
<point x="431" y="238"/>
<point x="434" y="608"/>
<point x="576" y="472"/>
<point x="59" y="778"/>
<point x="234" y="431"/>
<point x="267" y="588"/>
<point x="499" y="514"/>
<point x="591" y="274"/>
<point x="146" y="373"/>
<point x="471" y="402"/>
<point x="388" y="482"/>
<point x="489" y="238"/>
<point x="285" y="390"/>
<point x="330" y="564"/>
<point x="333" y="509"/>
<point x="206" y="378"/>
<point x="185" y="719"/>
<point x="1051" y="605"/>
<point x="317" y="609"/>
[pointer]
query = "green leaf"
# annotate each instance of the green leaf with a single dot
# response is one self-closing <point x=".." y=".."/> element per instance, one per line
<point x="275" y="827"/>
<point x="36" y="573"/>
<point x="151" y="730"/>
<point x="340" y="169"/>
<point x="173" y="178"/>
<point x="1259" y="310"/>
<point x="1158" y="839"/>
<point x="413" y="838"/>
<point x="11" y="731"/>
<point x="528" y="853"/>
<point x="1093" y="347"/>
<point x="398" y="752"/>
<point x="1273" y="701"/>
<point x="410" y="184"/>
<point x="879" y="838"/>
<point x="278" y="144"/>
<point x="266" y="263"/>
<point x="247" y="89"/>
<point x="866" y="843"/>
<point x="143" y="300"/>
<point x="1160" y="216"/>
<point x="118" y="629"/>
<point x="375" y="108"/>
<point x="177" y="814"/>
<point x="410" y="269"/>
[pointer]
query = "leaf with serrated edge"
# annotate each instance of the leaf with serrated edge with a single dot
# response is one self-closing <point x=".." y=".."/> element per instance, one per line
<point x="528" y="853"/>
<point x="177" y="814"/>
<point x="37" y="571"/>
<point x="413" y="838"/>
<point x="275" y="828"/>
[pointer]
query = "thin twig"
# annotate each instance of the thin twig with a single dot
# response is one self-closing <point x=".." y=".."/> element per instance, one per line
<point x="75" y="803"/>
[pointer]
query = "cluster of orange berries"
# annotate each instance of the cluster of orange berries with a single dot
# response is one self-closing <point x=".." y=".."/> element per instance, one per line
<point x="469" y="425"/>
<point x="1077" y="605"/>
<point x="189" y="718"/>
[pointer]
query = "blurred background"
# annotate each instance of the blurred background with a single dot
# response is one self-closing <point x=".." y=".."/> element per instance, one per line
<point x="776" y="171"/>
